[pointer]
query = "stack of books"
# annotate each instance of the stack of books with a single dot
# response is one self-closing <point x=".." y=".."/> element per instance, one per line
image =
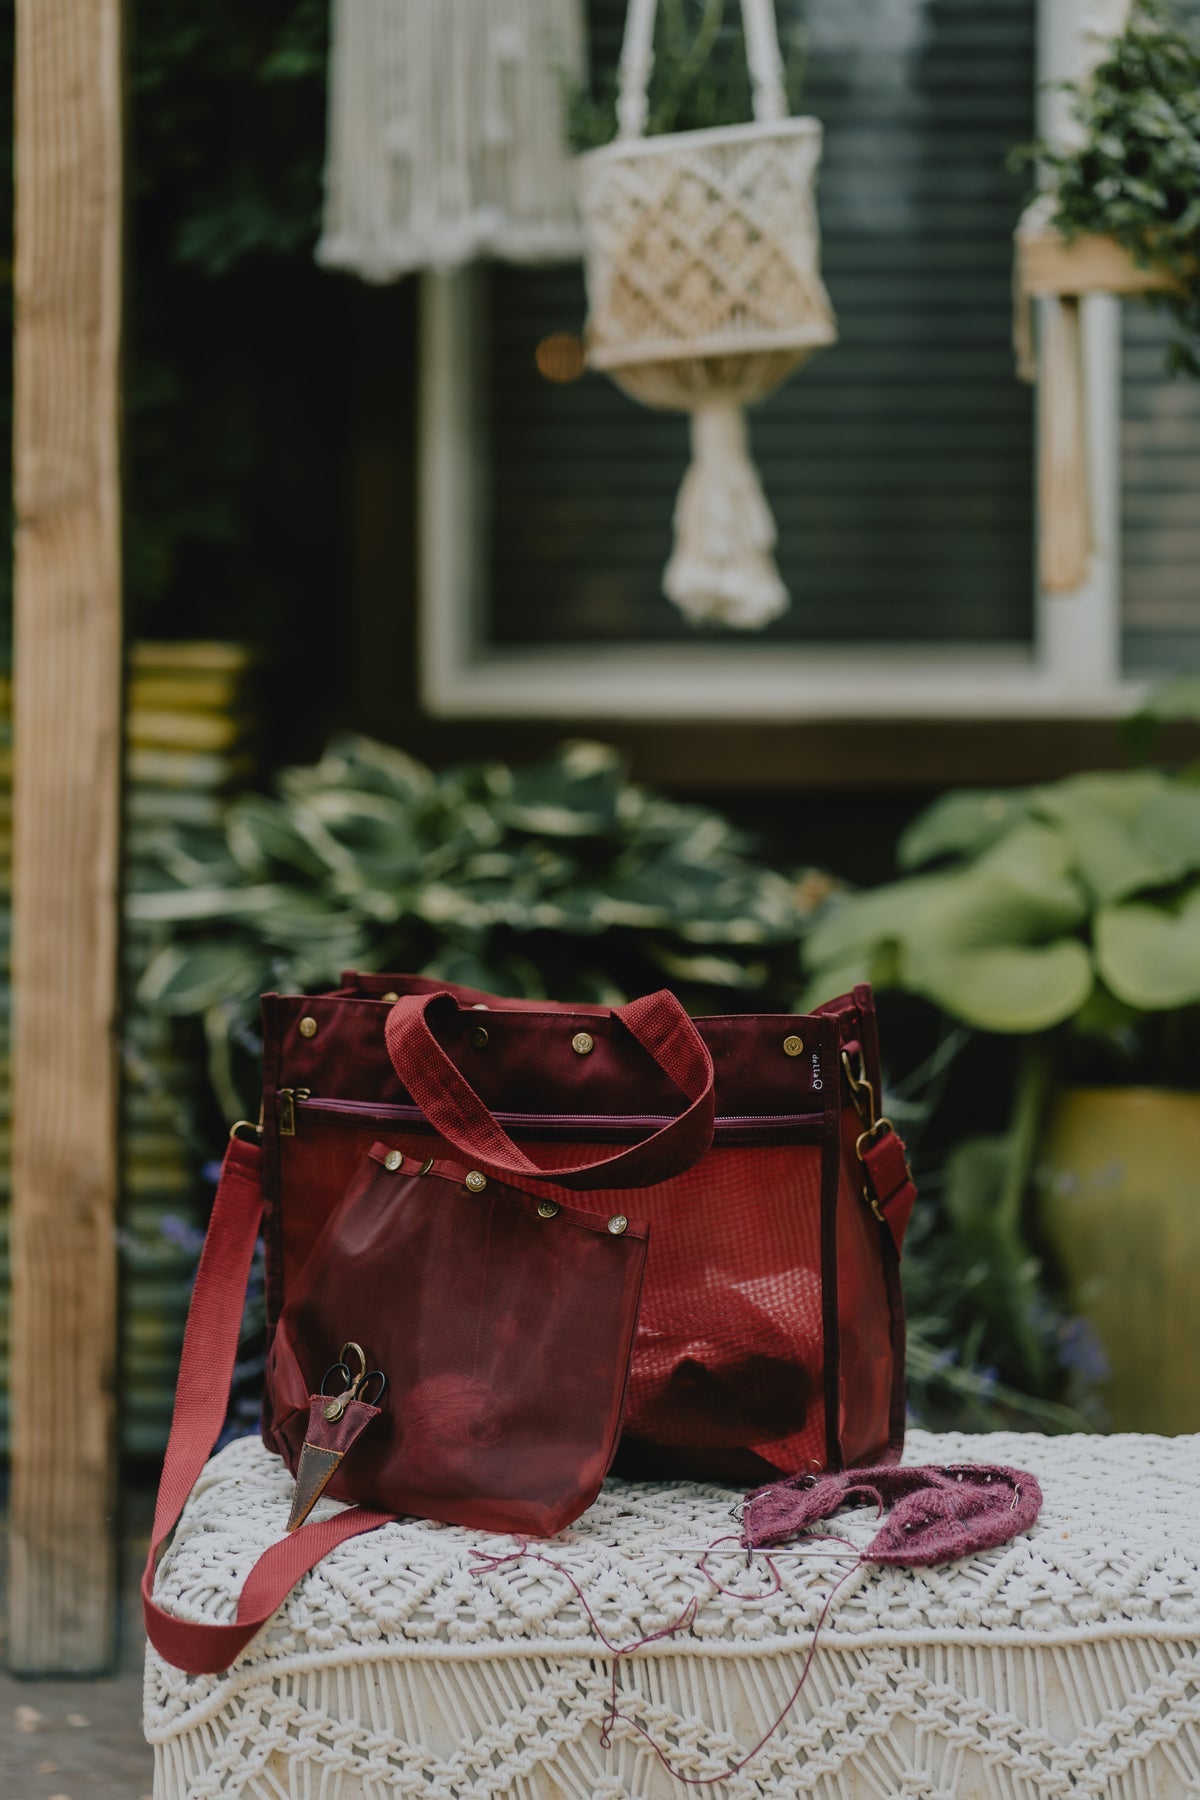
<point x="188" y="748"/>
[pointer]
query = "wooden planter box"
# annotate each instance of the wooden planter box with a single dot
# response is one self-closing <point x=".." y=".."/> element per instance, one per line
<point x="1049" y="263"/>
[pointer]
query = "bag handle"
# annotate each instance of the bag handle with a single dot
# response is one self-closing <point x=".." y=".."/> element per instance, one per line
<point x="637" y="61"/>
<point x="201" y="1399"/>
<point x="451" y="1105"/>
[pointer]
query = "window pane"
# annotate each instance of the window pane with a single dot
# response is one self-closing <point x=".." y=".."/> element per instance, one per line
<point x="898" y="462"/>
<point x="1160" y="479"/>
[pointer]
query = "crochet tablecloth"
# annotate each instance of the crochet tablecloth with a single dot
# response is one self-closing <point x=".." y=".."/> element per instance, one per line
<point x="1065" y="1663"/>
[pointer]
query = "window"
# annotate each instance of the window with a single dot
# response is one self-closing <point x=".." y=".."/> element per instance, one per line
<point x="899" y="463"/>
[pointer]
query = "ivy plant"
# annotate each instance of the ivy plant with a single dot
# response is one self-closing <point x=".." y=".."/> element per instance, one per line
<point x="1135" y="175"/>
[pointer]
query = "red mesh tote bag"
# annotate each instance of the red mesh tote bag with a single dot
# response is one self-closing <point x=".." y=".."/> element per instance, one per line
<point x="522" y="1238"/>
<point x="770" y="1336"/>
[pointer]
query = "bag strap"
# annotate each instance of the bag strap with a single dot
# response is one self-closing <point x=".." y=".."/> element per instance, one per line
<point x="637" y="61"/>
<point x="451" y="1105"/>
<point x="201" y="1399"/>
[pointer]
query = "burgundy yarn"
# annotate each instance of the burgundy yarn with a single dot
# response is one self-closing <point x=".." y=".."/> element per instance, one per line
<point x="937" y="1513"/>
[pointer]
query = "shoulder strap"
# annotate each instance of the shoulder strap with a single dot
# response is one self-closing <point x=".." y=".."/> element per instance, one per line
<point x="201" y="1399"/>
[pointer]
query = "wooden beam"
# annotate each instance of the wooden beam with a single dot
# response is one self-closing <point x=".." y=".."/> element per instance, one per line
<point x="67" y="723"/>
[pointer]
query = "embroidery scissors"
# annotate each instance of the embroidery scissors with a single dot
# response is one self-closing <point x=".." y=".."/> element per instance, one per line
<point x="356" y="1381"/>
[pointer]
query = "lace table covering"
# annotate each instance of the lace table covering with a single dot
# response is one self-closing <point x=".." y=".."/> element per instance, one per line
<point x="1065" y="1663"/>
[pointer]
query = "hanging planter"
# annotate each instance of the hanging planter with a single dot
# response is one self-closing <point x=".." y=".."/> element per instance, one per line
<point x="446" y="134"/>
<point x="702" y="253"/>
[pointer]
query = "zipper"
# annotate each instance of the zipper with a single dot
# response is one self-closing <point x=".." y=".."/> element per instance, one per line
<point x="599" y="1125"/>
<point x="289" y="1097"/>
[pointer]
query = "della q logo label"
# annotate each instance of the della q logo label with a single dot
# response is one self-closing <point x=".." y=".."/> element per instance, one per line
<point x="817" y="1083"/>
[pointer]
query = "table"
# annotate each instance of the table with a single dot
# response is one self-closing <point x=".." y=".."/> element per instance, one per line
<point x="415" y="1662"/>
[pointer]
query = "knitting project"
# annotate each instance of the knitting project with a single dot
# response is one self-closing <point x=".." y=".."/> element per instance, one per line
<point x="1064" y="1664"/>
<point x="936" y="1515"/>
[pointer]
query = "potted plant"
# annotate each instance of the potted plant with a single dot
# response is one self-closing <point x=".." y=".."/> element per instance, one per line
<point x="1068" y="915"/>
<point x="1119" y="214"/>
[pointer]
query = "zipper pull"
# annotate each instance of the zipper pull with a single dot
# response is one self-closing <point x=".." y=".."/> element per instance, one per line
<point x="289" y="1098"/>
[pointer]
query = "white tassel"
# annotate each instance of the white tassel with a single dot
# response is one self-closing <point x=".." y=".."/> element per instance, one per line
<point x="722" y="570"/>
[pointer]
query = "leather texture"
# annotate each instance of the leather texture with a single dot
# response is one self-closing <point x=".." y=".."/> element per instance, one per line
<point x="505" y="1337"/>
<point x="325" y="1443"/>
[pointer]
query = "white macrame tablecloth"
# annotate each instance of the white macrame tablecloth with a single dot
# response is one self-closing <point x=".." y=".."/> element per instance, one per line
<point x="1066" y="1663"/>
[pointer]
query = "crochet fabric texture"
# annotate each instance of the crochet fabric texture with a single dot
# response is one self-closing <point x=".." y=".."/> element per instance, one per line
<point x="1066" y="1662"/>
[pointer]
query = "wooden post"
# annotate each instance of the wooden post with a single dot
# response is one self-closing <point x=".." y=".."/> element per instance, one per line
<point x="67" y="724"/>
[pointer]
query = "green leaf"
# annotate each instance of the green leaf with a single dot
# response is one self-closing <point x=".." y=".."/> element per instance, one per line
<point x="1149" y="956"/>
<point x="1169" y="828"/>
<point x="1101" y="817"/>
<point x="191" y="978"/>
<point x="963" y="823"/>
<point x="1004" y="987"/>
<point x="174" y="906"/>
<point x="573" y="793"/>
<point x="264" y="836"/>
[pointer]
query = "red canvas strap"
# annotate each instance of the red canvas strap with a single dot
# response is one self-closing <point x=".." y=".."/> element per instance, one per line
<point x="658" y="1023"/>
<point x="890" y="1187"/>
<point x="201" y="1399"/>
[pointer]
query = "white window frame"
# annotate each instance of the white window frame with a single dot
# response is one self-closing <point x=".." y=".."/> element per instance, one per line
<point x="1072" y="670"/>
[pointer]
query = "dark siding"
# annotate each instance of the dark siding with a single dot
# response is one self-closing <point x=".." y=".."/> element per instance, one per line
<point x="1160" y="445"/>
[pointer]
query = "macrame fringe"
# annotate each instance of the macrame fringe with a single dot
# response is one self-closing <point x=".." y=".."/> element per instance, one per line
<point x="446" y="134"/>
<point x="722" y="570"/>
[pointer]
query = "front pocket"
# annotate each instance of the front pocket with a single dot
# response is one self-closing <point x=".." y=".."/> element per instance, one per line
<point x="504" y="1324"/>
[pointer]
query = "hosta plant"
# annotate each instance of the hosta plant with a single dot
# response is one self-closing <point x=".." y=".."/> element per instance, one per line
<point x="1073" y="902"/>
<point x="1066" y="915"/>
<point x="561" y="879"/>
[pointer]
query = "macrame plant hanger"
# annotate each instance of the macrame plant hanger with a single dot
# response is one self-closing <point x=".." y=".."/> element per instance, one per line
<point x="703" y="268"/>
<point x="446" y="134"/>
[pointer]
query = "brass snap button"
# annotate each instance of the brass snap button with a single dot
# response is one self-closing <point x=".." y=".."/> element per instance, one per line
<point x="547" y="1209"/>
<point x="425" y="1166"/>
<point x="479" y="1036"/>
<point x="582" y="1042"/>
<point x="393" y="1160"/>
<point x="390" y="998"/>
<point x="793" y="1046"/>
<point x="617" y="1224"/>
<point x="475" y="1181"/>
<point x="308" y="1027"/>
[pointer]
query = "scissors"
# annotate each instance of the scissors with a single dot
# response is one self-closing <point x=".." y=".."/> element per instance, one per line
<point x="355" y="1381"/>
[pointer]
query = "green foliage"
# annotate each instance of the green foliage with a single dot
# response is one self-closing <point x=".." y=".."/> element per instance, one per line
<point x="988" y="1349"/>
<point x="1074" y="901"/>
<point x="699" y="78"/>
<point x="1136" y="175"/>
<point x="561" y="878"/>
<point x="220" y="195"/>
<point x="226" y="138"/>
<point x="564" y="879"/>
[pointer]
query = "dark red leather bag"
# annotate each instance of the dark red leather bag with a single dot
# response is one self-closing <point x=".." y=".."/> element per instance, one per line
<point x="770" y="1336"/>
